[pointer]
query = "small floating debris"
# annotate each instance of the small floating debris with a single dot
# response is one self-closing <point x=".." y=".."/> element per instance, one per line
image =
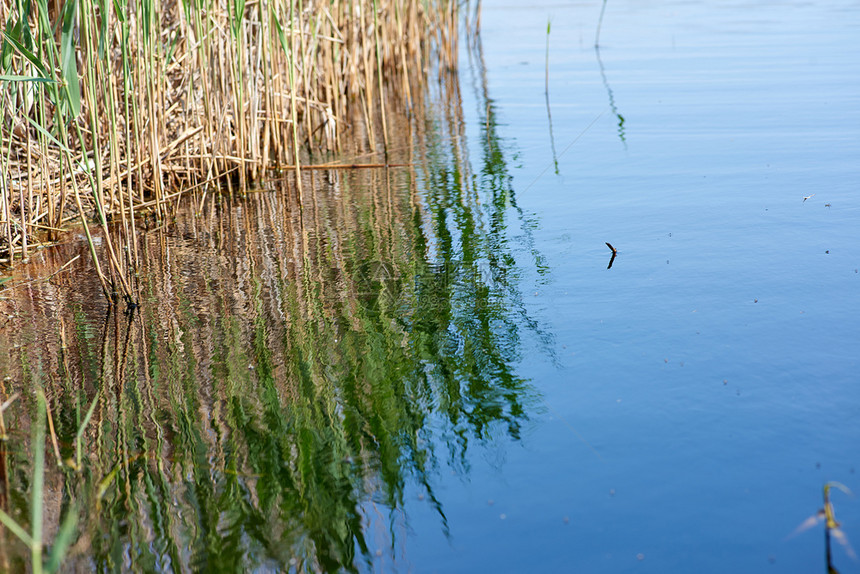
<point x="614" y="253"/>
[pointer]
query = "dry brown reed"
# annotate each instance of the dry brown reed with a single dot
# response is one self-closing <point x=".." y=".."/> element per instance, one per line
<point x="112" y="109"/>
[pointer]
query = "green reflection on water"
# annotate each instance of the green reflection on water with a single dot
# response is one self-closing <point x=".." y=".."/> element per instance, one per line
<point x="289" y="375"/>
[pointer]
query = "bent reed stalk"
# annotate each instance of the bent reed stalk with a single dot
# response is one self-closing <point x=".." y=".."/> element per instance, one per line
<point x="111" y="107"/>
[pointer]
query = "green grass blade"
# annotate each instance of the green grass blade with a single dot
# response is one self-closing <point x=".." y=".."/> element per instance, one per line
<point x="105" y="483"/>
<point x="33" y="59"/>
<point x="69" y="64"/>
<point x="8" y="78"/>
<point x="55" y="141"/>
<point x="239" y="12"/>
<point x="117" y="8"/>
<point x="104" y="35"/>
<point x="15" y="528"/>
<point x="281" y="36"/>
<point x="63" y="540"/>
<point x="172" y="48"/>
<point x="84" y="423"/>
<point x="38" y="482"/>
<point x="14" y="30"/>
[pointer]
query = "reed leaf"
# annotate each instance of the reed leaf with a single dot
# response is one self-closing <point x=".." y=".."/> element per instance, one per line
<point x="38" y="486"/>
<point x="15" y="528"/>
<point x="80" y="434"/>
<point x="69" y="63"/>
<point x="29" y="55"/>
<point x="37" y="79"/>
<point x="63" y="540"/>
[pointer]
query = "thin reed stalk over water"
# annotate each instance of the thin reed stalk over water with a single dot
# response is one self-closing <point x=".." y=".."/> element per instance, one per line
<point x="109" y="108"/>
<point x="546" y="93"/>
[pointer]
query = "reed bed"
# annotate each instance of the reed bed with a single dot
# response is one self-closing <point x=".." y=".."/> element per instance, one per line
<point x="111" y="110"/>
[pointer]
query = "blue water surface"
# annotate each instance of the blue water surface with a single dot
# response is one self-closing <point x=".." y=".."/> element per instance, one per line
<point x="440" y="366"/>
<point x="697" y="396"/>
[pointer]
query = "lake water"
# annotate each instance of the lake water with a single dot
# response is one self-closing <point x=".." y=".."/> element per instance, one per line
<point x="432" y="369"/>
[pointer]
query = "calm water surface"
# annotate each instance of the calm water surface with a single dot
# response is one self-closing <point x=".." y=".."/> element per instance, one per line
<point x="432" y="369"/>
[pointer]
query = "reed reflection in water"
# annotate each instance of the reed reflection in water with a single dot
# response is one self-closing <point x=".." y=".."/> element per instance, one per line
<point x="290" y="372"/>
